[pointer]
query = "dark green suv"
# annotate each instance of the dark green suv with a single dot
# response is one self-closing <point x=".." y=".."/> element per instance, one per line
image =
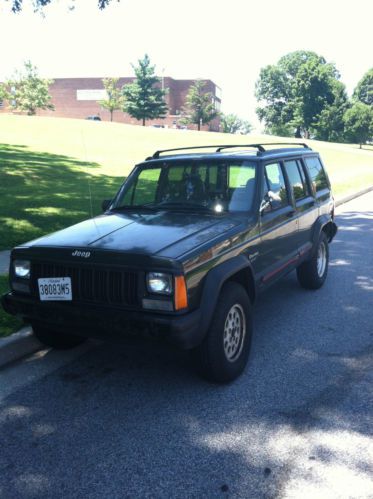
<point x="181" y="253"/>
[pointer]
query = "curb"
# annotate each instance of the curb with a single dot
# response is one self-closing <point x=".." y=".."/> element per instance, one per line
<point x="18" y="345"/>
<point x="350" y="197"/>
<point x="23" y="343"/>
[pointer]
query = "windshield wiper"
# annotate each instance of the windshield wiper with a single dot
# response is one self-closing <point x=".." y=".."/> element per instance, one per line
<point x="134" y="207"/>
<point x="184" y="206"/>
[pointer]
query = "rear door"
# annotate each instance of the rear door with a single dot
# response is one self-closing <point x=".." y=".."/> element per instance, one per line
<point x="304" y="201"/>
<point x="320" y="184"/>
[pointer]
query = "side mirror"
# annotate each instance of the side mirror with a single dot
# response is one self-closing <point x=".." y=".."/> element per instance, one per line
<point x="265" y="204"/>
<point x="105" y="204"/>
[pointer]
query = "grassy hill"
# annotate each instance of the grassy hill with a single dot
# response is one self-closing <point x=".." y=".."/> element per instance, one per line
<point x="55" y="172"/>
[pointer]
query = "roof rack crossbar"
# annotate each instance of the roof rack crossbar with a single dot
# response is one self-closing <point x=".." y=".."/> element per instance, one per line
<point x="257" y="146"/>
<point x="219" y="148"/>
<point x="287" y="144"/>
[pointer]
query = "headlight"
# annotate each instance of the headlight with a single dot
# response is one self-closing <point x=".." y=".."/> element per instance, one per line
<point x="22" y="268"/>
<point x="158" y="282"/>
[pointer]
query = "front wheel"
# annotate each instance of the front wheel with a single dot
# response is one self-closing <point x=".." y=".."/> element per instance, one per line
<point x="223" y="354"/>
<point x="54" y="339"/>
<point x="312" y="273"/>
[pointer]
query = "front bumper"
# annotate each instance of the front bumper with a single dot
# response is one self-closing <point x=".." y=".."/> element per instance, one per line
<point x="107" y="323"/>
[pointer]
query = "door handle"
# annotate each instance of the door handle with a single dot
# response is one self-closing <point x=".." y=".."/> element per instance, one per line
<point x="290" y="213"/>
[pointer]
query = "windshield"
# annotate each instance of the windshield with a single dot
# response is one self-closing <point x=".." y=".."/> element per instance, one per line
<point x="210" y="185"/>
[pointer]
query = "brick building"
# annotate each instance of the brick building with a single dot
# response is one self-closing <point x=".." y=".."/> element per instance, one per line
<point x="78" y="98"/>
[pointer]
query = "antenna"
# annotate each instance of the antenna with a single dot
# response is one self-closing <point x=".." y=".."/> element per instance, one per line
<point x="89" y="177"/>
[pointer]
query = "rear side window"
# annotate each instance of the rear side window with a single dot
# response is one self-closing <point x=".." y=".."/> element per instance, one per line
<point x="317" y="174"/>
<point x="296" y="179"/>
<point x="274" y="185"/>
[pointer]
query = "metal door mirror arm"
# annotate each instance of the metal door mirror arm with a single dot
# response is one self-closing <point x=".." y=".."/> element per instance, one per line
<point x="265" y="203"/>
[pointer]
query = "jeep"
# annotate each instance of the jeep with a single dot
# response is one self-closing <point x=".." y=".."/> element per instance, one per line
<point x="181" y="252"/>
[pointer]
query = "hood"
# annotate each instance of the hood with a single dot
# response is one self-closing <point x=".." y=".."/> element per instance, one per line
<point x="165" y="233"/>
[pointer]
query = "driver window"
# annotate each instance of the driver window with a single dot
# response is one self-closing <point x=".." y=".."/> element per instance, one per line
<point x="274" y="186"/>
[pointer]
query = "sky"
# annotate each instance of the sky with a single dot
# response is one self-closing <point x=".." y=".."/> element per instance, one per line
<point x="225" y="41"/>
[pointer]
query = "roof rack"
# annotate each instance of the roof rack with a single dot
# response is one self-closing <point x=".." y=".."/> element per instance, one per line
<point x="220" y="148"/>
<point x="217" y="146"/>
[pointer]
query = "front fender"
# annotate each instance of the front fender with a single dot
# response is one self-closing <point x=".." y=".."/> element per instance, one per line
<point x="213" y="284"/>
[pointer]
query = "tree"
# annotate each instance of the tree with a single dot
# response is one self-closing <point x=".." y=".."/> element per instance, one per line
<point x="294" y="92"/>
<point x="17" y="5"/>
<point x="115" y="99"/>
<point x="364" y="89"/>
<point x="359" y="123"/>
<point x="200" y="107"/>
<point x="143" y="99"/>
<point x="231" y="123"/>
<point x="28" y="92"/>
<point x="3" y="92"/>
<point x="330" y="125"/>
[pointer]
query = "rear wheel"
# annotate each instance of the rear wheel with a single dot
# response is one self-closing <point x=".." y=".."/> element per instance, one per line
<point x="312" y="273"/>
<point x="54" y="339"/>
<point x="223" y="354"/>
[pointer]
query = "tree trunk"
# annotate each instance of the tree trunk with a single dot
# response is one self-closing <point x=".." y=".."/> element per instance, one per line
<point x="111" y="115"/>
<point x="199" y="126"/>
<point x="143" y="122"/>
<point x="360" y="146"/>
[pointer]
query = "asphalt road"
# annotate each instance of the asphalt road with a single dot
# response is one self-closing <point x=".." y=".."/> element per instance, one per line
<point x="134" y="421"/>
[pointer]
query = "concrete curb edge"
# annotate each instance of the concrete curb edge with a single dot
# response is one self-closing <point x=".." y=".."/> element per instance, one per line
<point x="18" y="345"/>
<point x="350" y="197"/>
<point x="23" y="343"/>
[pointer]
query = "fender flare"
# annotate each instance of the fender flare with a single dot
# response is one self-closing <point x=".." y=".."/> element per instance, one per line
<point x="213" y="284"/>
<point x="320" y="223"/>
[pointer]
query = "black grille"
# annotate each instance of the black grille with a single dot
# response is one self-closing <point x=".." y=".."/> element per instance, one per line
<point x="91" y="284"/>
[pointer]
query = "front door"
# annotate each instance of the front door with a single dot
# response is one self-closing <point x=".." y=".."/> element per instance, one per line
<point x="278" y="226"/>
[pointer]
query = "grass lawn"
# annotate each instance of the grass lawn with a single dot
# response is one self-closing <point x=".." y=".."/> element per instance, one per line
<point x="8" y="323"/>
<point x="55" y="172"/>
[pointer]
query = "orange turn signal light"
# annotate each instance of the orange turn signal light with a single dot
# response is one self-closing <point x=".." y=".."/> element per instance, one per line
<point x="181" y="296"/>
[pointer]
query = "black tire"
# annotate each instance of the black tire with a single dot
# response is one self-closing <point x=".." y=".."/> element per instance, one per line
<point x="310" y="274"/>
<point x="211" y="356"/>
<point x="54" y="339"/>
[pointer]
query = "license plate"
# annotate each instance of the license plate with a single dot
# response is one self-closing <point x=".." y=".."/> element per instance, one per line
<point x="55" y="289"/>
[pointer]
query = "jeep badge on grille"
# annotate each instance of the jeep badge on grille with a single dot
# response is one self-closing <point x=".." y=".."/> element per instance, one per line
<point x="83" y="254"/>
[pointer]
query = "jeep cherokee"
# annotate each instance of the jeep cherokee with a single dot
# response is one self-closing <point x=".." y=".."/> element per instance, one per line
<point x="181" y="253"/>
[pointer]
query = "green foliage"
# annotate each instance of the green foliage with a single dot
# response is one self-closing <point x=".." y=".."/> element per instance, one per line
<point x="8" y="323"/>
<point x="231" y="123"/>
<point x="359" y="123"/>
<point x="143" y="99"/>
<point x="115" y="99"/>
<point x="27" y="92"/>
<point x="39" y="4"/>
<point x="330" y="125"/>
<point x="364" y="89"/>
<point x="296" y="91"/>
<point x="3" y="92"/>
<point x="200" y="107"/>
<point x="280" y="130"/>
